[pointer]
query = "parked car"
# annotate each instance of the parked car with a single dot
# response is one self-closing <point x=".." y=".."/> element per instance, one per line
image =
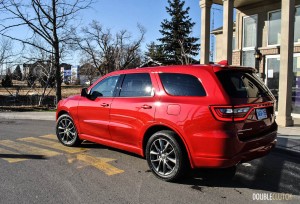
<point x="177" y="117"/>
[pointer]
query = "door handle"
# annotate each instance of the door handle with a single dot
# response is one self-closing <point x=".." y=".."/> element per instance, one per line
<point x="104" y="104"/>
<point x="146" y="106"/>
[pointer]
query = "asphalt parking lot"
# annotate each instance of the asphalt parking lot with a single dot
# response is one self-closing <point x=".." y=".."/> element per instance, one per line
<point x="35" y="168"/>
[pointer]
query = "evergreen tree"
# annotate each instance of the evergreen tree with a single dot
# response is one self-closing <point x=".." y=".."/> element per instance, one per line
<point x="17" y="74"/>
<point x="7" y="81"/>
<point x="8" y="72"/>
<point x="178" y="45"/>
<point x="155" y="52"/>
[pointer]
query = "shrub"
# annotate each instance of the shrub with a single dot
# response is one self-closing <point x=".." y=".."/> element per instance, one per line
<point x="7" y="81"/>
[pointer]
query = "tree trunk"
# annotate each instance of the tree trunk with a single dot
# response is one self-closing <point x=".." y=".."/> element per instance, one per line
<point x="57" y="74"/>
<point x="56" y="53"/>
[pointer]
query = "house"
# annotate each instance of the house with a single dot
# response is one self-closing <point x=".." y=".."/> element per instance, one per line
<point x="218" y="33"/>
<point x="88" y="74"/>
<point x="150" y="63"/>
<point x="266" y="35"/>
<point x="35" y="69"/>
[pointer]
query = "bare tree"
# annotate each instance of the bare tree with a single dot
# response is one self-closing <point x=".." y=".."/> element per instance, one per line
<point x="40" y="70"/>
<point x="88" y="71"/>
<point x="5" y="52"/>
<point x="186" y="53"/>
<point x="108" y="52"/>
<point x="49" y="20"/>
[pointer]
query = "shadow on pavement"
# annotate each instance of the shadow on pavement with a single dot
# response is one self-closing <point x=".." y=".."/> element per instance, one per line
<point x="91" y="145"/>
<point x="22" y="156"/>
<point x="274" y="173"/>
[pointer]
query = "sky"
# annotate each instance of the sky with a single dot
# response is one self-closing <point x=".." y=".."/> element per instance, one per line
<point x="127" y="14"/>
<point x="121" y="14"/>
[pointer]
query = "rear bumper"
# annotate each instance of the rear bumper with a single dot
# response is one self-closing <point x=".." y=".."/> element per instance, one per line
<point x="244" y="151"/>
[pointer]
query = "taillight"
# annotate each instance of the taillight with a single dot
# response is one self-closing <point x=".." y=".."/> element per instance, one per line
<point x="230" y="113"/>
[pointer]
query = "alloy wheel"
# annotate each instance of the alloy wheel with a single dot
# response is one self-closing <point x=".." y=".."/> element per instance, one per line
<point x="162" y="157"/>
<point x="66" y="131"/>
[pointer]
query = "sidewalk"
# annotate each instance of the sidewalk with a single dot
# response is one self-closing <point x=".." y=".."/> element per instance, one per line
<point x="43" y="115"/>
<point x="288" y="139"/>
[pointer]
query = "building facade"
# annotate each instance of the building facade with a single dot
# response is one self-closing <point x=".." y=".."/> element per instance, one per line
<point x="266" y="35"/>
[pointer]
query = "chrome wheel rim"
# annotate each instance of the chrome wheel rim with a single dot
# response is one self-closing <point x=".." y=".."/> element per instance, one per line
<point x="66" y="130"/>
<point x="162" y="157"/>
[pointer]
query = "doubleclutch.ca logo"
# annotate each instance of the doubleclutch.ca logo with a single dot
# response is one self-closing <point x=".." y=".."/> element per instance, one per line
<point x="272" y="196"/>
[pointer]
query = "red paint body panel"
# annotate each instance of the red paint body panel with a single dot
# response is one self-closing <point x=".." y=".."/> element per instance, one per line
<point x="93" y="119"/>
<point x="209" y="142"/>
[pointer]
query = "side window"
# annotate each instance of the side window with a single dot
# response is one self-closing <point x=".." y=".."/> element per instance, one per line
<point x="136" y="85"/>
<point x="182" y="84"/>
<point x="106" y="87"/>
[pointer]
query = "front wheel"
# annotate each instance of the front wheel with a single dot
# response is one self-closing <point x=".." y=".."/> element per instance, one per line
<point x="165" y="156"/>
<point x="66" y="131"/>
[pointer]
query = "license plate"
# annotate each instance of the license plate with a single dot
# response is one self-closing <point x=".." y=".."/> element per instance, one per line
<point x="261" y="113"/>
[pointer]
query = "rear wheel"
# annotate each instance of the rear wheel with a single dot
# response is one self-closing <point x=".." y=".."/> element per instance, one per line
<point x="165" y="156"/>
<point x="66" y="131"/>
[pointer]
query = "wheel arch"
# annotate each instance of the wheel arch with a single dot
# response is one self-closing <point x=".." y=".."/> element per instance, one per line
<point x="158" y="127"/>
<point x="61" y="112"/>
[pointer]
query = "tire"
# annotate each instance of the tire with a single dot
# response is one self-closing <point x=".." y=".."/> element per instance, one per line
<point x="165" y="156"/>
<point x="229" y="172"/>
<point x="66" y="131"/>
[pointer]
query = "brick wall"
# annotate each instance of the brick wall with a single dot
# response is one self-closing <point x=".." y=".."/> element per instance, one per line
<point x="236" y="57"/>
<point x="297" y="48"/>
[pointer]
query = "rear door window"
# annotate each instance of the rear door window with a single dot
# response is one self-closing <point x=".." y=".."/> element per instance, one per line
<point x="240" y="84"/>
<point x="182" y="84"/>
<point x="136" y="85"/>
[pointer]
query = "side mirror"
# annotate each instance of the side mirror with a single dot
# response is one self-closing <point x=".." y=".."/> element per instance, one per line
<point x="84" y="92"/>
<point x="95" y="95"/>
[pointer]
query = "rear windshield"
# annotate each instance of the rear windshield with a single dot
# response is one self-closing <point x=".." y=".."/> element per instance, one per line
<point x="239" y="84"/>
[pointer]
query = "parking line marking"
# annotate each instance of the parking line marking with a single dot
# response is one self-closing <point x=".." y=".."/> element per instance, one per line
<point x="6" y="154"/>
<point x="100" y="163"/>
<point x="28" y="149"/>
<point x="50" y="137"/>
<point x="53" y="145"/>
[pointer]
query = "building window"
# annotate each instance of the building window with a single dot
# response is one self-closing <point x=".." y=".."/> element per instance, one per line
<point x="296" y="84"/>
<point x="272" y="79"/>
<point x="233" y="42"/>
<point x="297" y="28"/>
<point x="274" y="33"/>
<point x="274" y="36"/>
<point x="249" y="40"/>
<point x="250" y="31"/>
<point x="248" y="58"/>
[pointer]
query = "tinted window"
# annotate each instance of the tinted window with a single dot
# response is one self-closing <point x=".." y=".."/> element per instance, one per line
<point x="105" y="87"/>
<point x="182" y="84"/>
<point x="136" y="85"/>
<point x="242" y="84"/>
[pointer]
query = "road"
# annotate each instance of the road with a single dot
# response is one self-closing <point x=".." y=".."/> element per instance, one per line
<point x="35" y="168"/>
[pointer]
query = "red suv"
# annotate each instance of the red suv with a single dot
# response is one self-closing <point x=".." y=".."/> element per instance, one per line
<point x="176" y="117"/>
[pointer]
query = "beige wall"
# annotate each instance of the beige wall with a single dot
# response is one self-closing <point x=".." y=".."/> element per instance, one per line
<point x="218" y="47"/>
